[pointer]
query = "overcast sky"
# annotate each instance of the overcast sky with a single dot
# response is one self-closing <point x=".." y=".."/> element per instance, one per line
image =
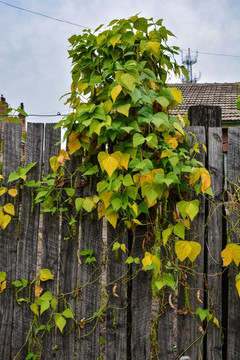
<point x="34" y="64"/>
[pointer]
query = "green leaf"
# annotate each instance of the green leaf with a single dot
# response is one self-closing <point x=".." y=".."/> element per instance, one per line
<point x="127" y="180"/>
<point x="93" y="170"/>
<point x="79" y="203"/>
<point x="116" y="246"/>
<point x="2" y="276"/>
<point x="141" y="24"/>
<point x="169" y="280"/>
<point x="128" y="81"/>
<point x="129" y="260"/>
<point x="17" y="283"/>
<point x="34" y="308"/>
<point x="70" y="192"/>
<point x="45" y="274"/>
<point x="60" y="322"/>
<point x="13" y="176"/>
<point x="67" y="313"/>
<point x="138" y="139"/>
<point x="54" y="304"/>
<point x="179" y="230"/>
<point x="88" y="252"/>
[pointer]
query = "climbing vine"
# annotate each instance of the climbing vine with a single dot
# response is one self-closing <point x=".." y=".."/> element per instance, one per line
<point x="135" y="157"/>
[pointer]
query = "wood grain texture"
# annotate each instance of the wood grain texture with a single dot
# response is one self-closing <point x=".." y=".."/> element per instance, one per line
<point x="141" y="302"/>
<point x="28" y="237"/>
<point x="205" y="115"/>
<point x="9" y="237"/>
<point x="214" y="241"/>
<point x="188" y="331"/>
<point x="117" y="272"/>
<point x="50" y="238"/>
<point x="68" y="270"/>
<point x="89" y="301"/>
<point x="233" y="171"/>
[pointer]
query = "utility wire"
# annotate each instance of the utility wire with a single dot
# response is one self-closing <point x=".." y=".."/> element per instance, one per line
<point x="87" y="27"/>
<point x="207" y="53"/>
<point x="44" y="15"/>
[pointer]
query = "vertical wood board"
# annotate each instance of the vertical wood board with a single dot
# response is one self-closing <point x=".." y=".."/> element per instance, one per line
<point x="117" y="272"/>
<point x="9" y="237"/>
<point x="214" y="241"/>
<point x="28" y="237"/>
<point x="233" y="171"/>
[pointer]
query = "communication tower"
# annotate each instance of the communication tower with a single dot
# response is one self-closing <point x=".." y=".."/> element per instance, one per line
<point x="189" y="61"/>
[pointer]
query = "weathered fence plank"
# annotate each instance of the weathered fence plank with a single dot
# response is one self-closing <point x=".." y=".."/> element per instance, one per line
<point x="9" y="238"/>
<point x="117" y="272"/>
<point x="189" y="336"/>
<point x="50" y="238"/>
<point x="233" y="171"/>
<point x="68" y="268"/>
<point x="89" y="280"/>
<point x="141" y="301"/>
<point x="28" y="237"/>
<point x="214" y="242"/>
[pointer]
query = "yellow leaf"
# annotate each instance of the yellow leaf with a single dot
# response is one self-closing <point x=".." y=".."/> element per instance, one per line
<point x="62" y="156"/>
<point x="226" y="255"/>
<point x="102" y="156"/>
<point x="136" y="221"/>
<point x="155" y="47"/>
<point x="54" y="163"/>
<point x="236" y="253"/>
<point x="122" y="159"/>
<point x="3" y="286"/>
<point x="166" y="233"/>
<point x="194" y="176"/>
<point x="152" y="85"/>
<point x="135" y="208"/>
<point x="5" y="221"/>
<point x="195" y="250"/>
<point x="101" y="210"/>
<point x="45" y="274"/>
<point x="166" y="153"/>
<point x="13" y="192"/>
<point x="105" y="196"/>
<point x="112" y="218"/>
<point x="82" y="86"/>
<point x="107" y="105"/>
<point x="38" y="290"/>
<point x="177" y="94"/>
<point x="9" y="208"/>
<point x="110" y="164"/>
<point x="124" y="109"/>
<point x="204" y="148"/>
<point x="172" y="141"/>
<point x="123" y="247"/>
<point x="147" y="260"/>
<point x="73" y="144"/>
<point x="1" y="177"/>
<point x="2" y="191"/>
<point x="183" y="249"/>
<point x="115" y="92"/>
<point x="206" y="180"/>
<point x="85" y="139"/>
<point x="156" y="260"/>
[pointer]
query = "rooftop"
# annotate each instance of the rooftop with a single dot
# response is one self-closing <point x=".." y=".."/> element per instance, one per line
<point x="216" y="94"/>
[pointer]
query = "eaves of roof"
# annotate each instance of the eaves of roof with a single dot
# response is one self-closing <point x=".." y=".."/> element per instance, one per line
<point x="215" y="94"/>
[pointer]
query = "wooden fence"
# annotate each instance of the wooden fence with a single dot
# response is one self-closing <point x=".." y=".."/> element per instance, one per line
<point x="126" y="326"/>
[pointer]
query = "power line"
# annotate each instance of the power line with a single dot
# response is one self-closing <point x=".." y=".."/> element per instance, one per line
<point x="207" y="53"/>
<point x="44" y="15"/>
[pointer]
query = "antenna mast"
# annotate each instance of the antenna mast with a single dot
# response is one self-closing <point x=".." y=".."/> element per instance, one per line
<point x="188" y="62"/>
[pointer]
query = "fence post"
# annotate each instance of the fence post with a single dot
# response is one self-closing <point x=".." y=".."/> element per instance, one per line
<point x="28" y="237"/>
<point x="9" y="238"/>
